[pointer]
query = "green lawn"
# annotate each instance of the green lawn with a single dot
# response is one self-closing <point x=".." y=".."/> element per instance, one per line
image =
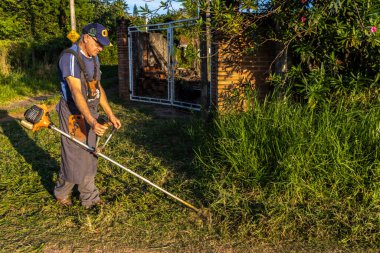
<point x="135" y="216"/>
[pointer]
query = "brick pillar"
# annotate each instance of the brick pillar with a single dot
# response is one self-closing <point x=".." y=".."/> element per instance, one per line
<point x="232" y="73"/>
<point x="123" y="57"/>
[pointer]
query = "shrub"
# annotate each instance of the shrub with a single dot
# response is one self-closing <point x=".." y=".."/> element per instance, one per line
<point x="334" y="44"/>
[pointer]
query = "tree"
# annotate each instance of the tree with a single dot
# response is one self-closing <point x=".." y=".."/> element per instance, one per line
<point x="135" y="11"/>
<point x="106" y="13"/>
<point x="12" y="20"/>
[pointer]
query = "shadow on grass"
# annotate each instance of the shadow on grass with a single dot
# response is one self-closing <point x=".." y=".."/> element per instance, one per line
<point x="41" y="162"/>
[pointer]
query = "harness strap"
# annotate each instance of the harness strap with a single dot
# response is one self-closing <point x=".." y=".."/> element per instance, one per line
<point x="81" y="64"/>
<point x="83" y="69"/>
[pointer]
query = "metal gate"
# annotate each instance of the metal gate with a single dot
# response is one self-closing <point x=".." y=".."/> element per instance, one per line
<point x="164" y="65"/>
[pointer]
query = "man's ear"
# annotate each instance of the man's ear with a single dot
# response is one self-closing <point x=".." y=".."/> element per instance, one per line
<point x="85" y="38"/>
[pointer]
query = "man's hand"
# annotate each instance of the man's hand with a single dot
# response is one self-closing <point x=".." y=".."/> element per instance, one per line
<point x="107" y="109"/>
<point x="115" y="121"/>
<point x="98" y="128"/>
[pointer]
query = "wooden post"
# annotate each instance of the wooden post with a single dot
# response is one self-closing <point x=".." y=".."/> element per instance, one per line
<point x="72" y="15"/>
<point x="203" y="47"/>
<point x="123" y="57"/>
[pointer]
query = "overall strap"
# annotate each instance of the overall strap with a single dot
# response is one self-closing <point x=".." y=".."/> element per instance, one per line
<point x="83" y="68"/>
<point x="81" y="60"/>
<point x="82" y="64"/>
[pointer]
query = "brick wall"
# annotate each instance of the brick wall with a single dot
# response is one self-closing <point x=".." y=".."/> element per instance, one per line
<point x="233" y="73"/>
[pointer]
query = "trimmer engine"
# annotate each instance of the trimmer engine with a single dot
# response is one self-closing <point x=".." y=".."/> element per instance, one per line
<point x="34" y="114"/>
<point x="36" y="117"/>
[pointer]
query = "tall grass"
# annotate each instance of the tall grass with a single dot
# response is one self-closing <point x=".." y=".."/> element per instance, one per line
<point x="19" y="84"/>
<point x="284" y="171"/>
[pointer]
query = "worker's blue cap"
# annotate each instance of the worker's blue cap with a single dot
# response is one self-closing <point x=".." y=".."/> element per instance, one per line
<point x="97" y="31"/>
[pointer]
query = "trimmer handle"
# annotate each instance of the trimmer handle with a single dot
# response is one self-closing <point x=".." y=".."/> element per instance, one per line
<point x="102" y="119"/>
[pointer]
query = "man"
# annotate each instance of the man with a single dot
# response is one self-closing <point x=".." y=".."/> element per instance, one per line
<point x="81" y="94"/>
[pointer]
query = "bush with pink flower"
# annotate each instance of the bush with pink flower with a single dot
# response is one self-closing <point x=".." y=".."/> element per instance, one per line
<point x="334" y="40"/>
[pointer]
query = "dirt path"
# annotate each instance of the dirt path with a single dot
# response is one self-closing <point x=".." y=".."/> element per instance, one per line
<point x="11" y="112"/>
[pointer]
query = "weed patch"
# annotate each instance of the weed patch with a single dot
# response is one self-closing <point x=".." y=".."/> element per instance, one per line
<point x="284" y="171"/>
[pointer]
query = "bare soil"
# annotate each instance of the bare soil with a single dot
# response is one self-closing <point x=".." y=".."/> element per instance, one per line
<point x="11" y="111"/>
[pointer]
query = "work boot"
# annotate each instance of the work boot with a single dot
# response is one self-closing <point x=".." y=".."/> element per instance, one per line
<point x="65" y="202"/>
<point x="95" y="204"/>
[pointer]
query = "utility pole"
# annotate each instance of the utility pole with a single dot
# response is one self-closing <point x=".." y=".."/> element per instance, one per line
<point x="72" y="15"/>
<point x="73" y="35"/>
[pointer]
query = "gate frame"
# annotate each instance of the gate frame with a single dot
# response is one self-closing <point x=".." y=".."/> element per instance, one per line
<point x="171" y="70"/>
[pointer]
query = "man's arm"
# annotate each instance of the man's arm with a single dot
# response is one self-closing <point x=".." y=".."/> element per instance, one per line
<point x="76" y="92"/>
<point x="107" y="109"/>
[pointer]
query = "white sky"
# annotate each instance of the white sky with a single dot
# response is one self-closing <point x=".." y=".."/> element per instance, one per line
<point x="152" y="5"/>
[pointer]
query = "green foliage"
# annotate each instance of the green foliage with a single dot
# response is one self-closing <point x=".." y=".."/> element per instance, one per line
<point x="40" y="21"/>
<point x="337" y="39"/>
<point x="292" y="173"/>
<point x="24" y="55"/>
<point x="23" y="85"/>
<point x="135" y="11"/>
<point x="107" y="12"/>
<point x="187" y="57"/>
<point x="31" y="20"/>
<point x="33" y="32"/>
<point x="108" y="56"/>
<point x="166" y="17"/>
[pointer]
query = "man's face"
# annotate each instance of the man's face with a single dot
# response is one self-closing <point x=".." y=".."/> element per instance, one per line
<point x="93" y="47"/>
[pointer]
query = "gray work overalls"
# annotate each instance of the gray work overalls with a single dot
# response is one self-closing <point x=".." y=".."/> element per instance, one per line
<point x="78" y="166"/>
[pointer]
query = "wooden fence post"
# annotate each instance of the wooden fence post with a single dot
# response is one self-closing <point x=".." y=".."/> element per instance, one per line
<point x="204" y="55"/>
<point x="123" y="57"/>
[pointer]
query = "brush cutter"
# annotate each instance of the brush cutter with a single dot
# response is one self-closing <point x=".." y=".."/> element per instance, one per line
<point x="37" y="117"/>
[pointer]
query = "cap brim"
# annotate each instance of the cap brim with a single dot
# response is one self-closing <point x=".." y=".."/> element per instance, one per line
<point x="105" y="42"/>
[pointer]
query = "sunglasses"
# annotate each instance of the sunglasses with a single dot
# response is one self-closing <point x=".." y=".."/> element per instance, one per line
<point x="97" y="42"/>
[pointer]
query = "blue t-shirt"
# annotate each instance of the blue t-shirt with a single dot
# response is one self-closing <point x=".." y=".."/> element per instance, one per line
<point x="69" y="66"/>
